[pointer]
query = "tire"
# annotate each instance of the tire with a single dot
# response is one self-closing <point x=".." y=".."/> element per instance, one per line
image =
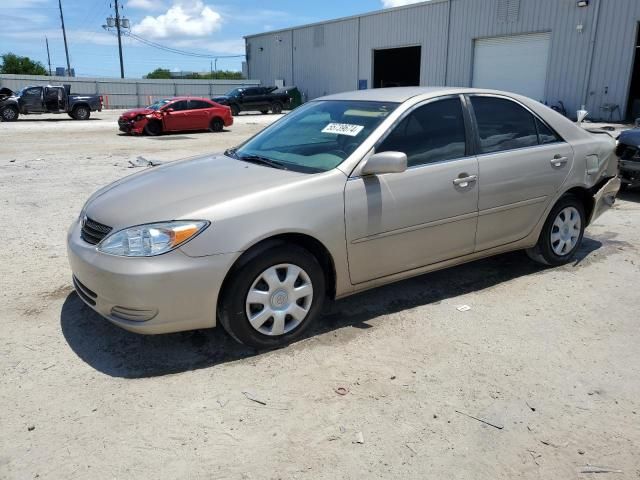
<point x="276" y="108"/>
<point x="9" y="114"/>
<point x="153" y="128"/>
<point x="264" y="112"/>
<point x="216" y="125"/>
<point x="561" y="234"/>
<point x="235" y="110"/>
<point x="275" y="262"/>
<point x="81" y="112"/>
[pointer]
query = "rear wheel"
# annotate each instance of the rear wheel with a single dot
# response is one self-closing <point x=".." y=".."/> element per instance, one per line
<point x="562" y="233"/>
<point x="276" y="107"/>
<point x="235" y="110"/>
<point x="81" y="112"/>
<point x="216" y="125"/>
<point x="273" y="297"/>
<point x="9" y="114"/>
<point x="153" y="128"/>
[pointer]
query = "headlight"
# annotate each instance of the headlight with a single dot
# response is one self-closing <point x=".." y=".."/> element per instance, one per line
<point x="152" y="239"/>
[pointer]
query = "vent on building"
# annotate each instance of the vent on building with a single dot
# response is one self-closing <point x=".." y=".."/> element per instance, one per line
<point x="508" y="10"/>
<point x="318" y="36"/>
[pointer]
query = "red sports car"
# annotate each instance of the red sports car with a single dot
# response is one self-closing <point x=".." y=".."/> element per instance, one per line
<point x="176" y="115"/>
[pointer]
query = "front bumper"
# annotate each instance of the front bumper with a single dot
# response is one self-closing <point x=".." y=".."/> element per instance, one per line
<point x="162" y="294"/>
<point x="630" y="171"/>
<point x="132" y="126"/>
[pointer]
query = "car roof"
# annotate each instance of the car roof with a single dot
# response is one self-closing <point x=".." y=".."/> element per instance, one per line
<point x="189" y="98"/>
<point x="402" y="94"/>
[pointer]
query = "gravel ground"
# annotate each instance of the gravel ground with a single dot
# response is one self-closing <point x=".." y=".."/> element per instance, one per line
<point x="549" y="356"/>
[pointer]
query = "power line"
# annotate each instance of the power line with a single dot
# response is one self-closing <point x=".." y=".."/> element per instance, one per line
<point x="176" y="51"/>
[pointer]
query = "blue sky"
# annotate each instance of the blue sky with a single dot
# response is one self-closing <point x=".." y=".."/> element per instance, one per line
<point x="203" y="26"/>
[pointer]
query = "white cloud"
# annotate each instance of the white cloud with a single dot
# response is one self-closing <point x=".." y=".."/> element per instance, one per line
<point x="144" y="4"/>
<point x="398" y="3"/>
<point x="184" y="19"/>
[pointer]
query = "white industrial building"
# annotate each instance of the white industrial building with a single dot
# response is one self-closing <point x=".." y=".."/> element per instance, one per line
<point x="578" y="52"/>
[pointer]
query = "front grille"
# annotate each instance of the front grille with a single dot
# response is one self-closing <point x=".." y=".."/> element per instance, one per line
<point x="628" y="152"/>
<point x="93" y="232"/>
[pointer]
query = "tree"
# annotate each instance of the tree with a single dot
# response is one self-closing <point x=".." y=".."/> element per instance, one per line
<point x="162" y="73"/>
<point x="12" y="63"/>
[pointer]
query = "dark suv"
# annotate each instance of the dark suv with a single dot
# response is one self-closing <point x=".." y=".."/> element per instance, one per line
<point x="260" y="99"/>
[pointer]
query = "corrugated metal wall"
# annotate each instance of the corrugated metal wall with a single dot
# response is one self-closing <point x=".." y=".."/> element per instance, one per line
<point x="129" y="93"/>
<point x="316" y="66"/>
<point x="591" y="66"/>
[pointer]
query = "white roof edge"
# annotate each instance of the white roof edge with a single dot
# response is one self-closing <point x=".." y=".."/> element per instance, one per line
<point x="343" y="19"/>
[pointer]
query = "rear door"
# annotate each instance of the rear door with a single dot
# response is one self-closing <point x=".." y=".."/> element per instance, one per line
<point x="522" y="164"/>
<point x="199" y="114"/>
<point x="32" y="100"/>
<point x="401" y="221"/>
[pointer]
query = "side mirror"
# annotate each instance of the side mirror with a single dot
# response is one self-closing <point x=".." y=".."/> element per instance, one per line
<point x="385" y="162"/>
<point x="168" y="110"/>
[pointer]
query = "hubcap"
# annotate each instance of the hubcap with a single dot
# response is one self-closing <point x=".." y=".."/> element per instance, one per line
<point x="279" y="299"/>
<point x="565" y="231"/>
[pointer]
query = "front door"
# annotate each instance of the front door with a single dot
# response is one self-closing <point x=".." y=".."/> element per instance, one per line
<point x="176" y="116"/>
<point x="401" y="221"/>
<point x="31" y="100"/>
<point x="523" y="163"/>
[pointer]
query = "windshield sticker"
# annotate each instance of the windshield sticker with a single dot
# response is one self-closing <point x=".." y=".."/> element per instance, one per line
<point x="343" y="129"/>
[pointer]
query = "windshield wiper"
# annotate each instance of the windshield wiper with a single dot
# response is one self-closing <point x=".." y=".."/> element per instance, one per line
<point x="260" y="160"/>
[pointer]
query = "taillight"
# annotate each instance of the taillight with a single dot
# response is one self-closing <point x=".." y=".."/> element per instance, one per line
<point x="101" y="102"/>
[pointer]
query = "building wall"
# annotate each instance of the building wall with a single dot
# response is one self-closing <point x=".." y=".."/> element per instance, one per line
<point x="128" y="93"/>
<point x="591" y="67"/>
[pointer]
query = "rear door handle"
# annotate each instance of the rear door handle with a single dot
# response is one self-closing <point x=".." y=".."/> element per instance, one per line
<point x="464" y="182"/>
<point x="559" y="160"/>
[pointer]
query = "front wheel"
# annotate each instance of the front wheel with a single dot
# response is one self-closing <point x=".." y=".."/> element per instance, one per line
<point x="235" y="110"/>
<point x="276" y="108"/>
<point x="561" y="234"/>
<point x="273" y="297"/>
<point x="153" y="128"/>
<point x="9" y="114"/>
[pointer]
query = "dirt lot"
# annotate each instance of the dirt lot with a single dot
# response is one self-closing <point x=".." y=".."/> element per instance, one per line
<point x="551" y="356"/>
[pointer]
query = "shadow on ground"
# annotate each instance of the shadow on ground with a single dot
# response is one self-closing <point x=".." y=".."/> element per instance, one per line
<point x="63" y="118"/>
<point x="630" y="195"/>
<point x="119" y="353"/>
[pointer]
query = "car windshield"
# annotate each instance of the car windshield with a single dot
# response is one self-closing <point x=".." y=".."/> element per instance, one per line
<point x="159" y="104"/>
<point x="316" y="137"/>
<point x="234" y="92"/>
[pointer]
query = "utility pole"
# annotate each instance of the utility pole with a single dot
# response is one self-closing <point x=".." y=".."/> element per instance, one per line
<point x="48" y="56"/>
<point x="119" y="39"/>
<point x="64" y="35"/>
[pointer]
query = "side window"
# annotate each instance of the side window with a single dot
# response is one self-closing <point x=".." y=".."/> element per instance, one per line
<point x="545" y="134"/>
<point x="503" y="124"/>
<point x="198" y="105"/>
<point x="431" y="133"/>
<point x="179" y="105"/>
<point x="33" y="92"/>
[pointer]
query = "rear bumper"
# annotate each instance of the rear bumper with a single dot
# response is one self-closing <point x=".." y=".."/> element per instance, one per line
<point x="166" y="293"/>
<point x="604" y="198"/>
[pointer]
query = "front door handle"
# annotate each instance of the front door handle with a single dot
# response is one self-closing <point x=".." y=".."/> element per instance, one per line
<point x="559" y="160"/>
<point x="464" y="181"/>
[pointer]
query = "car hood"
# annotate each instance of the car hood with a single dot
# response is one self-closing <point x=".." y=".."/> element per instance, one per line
<point x="221" y="98"/>
<point x="137" y="111"/>
<point x="185" y="189"/>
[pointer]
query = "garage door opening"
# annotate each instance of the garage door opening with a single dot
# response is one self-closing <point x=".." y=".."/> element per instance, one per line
<point x="633" y="104"/>
<point x="396" y="67"/>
